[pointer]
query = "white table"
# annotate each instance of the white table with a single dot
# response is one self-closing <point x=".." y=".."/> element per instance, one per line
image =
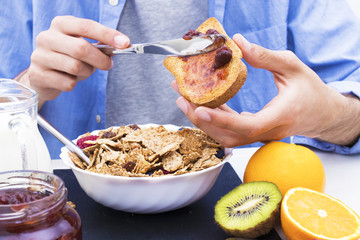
<point x="342" y="175"/>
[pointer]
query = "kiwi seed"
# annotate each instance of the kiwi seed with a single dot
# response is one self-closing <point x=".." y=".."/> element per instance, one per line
<point x="250" y="210"/>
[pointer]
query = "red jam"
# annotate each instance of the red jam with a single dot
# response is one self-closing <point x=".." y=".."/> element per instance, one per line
<point x="18" y="196"/>
<point x="223" y="54"/>
<point x="33" y="205"/>
<point x="200" y="75"/>
<point x="191" y="34"/>
<point x="206" y="72"/>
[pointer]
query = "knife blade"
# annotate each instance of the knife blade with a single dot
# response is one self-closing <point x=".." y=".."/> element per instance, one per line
<point x="175" y="47"/>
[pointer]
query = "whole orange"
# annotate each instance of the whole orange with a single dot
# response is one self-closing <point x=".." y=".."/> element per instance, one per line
<point x="287" y="165"/>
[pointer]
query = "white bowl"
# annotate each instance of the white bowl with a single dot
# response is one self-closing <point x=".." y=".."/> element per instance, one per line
<point x="146" y="194"/>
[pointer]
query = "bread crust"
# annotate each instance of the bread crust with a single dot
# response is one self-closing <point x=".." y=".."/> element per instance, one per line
<point x="221" y="92"/>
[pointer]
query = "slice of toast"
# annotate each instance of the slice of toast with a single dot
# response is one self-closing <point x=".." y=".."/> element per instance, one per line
<point x="199" y="82"/>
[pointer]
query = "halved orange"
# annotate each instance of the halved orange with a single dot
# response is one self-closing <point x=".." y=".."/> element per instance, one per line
<point x="308" y="214"/>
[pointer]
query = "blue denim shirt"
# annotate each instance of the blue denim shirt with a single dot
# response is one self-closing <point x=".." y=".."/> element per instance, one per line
<point x="323" y="34"/>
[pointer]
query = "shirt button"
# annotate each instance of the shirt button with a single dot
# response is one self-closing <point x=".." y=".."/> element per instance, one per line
<point x="113" y="2"/>
<point x="98" y="118"/>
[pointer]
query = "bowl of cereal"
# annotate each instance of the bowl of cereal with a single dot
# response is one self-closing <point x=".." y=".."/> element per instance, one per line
<point x="147" y="168"/>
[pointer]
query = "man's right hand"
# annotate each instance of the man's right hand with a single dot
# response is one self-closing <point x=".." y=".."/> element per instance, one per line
<point x="63" y="57"/>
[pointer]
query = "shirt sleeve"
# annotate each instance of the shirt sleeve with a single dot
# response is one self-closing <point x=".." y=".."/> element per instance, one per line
<point x="326" y="146"/>
<point x="15" y="37"/>
<point x="324" y="35"/>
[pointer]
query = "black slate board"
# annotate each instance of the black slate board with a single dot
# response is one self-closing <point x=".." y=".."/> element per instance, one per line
<point x="195" y="221"/>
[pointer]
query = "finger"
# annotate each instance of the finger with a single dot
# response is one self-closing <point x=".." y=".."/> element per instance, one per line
<point x="226" y="108"/>
<point x="223" y="136"/>
<point x="276" y="134"/>
<point x="237" y="130"/>
<point x="222" y="133"/>
<point x="222" y="119"/>
<point x="90" y="29"/>
<point x="198" y="116"/>
<point x="77" y="48"/>
<point x="50" y="60"/>
<point x="259" y="57"/>
<point x="203" y="114"/>
<point x="251" y="126"/>
<point x="175" y="87"/>
<point x="44" y="81"/>
<point x="184" y="105"/>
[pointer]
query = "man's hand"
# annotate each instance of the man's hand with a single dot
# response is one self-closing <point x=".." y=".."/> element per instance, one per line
<point x="63" y="57"/>
<point x="305" y="105"/>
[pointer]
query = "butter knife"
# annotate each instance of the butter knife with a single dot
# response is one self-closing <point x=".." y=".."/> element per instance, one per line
<point x="175" y="47"/>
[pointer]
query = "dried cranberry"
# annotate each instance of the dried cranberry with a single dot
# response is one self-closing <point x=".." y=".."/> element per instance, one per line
<point x="134" y="127"/>
<point x="129" y="166"/>
<point x="165" y="171"/>
<point x="218" y="42"/>
<point x="81" y="142"/>
<point x="108" y="134"/>
<point x="223" y="56"/>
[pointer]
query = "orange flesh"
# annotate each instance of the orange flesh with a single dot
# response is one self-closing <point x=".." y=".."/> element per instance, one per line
<point x="321" y="216"/>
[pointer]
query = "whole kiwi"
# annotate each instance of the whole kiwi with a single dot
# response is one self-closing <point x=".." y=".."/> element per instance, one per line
<point x="250" y="210"/>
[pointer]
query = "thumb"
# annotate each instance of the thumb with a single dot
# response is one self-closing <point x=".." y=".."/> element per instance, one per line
<point x="259" y="57"/>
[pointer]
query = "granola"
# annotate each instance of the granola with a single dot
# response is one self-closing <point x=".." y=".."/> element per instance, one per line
<point x="148" y="152"/>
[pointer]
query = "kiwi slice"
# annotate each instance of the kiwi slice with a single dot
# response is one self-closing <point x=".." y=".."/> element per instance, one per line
<point x="250" y="210"/>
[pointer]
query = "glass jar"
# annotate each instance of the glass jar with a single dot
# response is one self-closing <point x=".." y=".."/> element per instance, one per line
<point x="22" y="146"/>
<point x="33" y="205"/>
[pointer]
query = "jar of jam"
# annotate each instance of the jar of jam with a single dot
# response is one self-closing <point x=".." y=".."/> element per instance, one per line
<point x="33" y="205"/>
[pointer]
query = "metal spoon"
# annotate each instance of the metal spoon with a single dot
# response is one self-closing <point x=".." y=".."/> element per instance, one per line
<point x="69" y="144"/>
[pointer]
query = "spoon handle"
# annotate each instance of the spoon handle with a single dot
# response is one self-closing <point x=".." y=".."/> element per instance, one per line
<point x="69" y="144"/>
